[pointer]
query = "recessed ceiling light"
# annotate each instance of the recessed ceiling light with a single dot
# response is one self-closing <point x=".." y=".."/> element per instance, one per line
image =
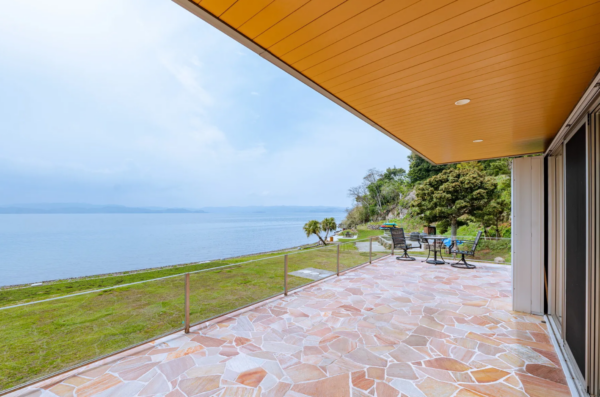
<point x="478" y="140"/>
<point x="461" y="102"/>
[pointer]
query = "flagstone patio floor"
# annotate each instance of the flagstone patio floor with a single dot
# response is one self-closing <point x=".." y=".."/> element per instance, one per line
<point x="390" y="329"/>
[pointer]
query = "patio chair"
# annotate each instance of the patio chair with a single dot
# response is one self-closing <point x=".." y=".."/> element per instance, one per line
<point x="462" y="263"/>
<point x="399" y="241"/>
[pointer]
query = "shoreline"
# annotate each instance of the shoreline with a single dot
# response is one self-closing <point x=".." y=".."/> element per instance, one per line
<point x="148" y="269"/>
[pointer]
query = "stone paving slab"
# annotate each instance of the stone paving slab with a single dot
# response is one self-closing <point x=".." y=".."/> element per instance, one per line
<point x="390" y="329"/>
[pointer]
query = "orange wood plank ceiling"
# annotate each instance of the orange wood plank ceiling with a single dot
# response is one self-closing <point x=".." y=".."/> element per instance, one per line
<point x="403" y="63"/>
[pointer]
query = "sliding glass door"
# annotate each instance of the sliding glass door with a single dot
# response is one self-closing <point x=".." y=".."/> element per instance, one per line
<point x="573" y="248"/>
<point x="576" y="244"/>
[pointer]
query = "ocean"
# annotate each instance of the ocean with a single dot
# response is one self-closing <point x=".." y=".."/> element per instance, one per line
<point x="42" y="247"/>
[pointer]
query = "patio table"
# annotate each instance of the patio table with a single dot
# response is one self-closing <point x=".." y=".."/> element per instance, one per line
<point x="435" y="241"/>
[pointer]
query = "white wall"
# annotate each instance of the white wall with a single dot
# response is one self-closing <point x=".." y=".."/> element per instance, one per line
<point x="528" y="234"/>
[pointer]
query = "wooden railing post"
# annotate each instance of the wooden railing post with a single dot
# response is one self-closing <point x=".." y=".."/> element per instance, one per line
<point x="338" y="259"/>
<point x="285" y="272"/>
<point x="187" y="303"/>
<point x="370" y="249"/>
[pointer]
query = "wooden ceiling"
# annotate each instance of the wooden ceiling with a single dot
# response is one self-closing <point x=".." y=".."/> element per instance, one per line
<point x="402" y="64"/>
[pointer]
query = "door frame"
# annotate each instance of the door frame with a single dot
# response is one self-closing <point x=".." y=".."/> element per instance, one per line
<point x="556" y="223"/>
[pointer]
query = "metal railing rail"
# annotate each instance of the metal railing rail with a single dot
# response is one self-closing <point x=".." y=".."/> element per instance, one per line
<point x="186" y="323"/>
<point x="285" y="274"/>
<point x="489" y="238"/>
<point x="167" y="277"/>
<point x="136" y="345"/>
<point x="337" y="266"/>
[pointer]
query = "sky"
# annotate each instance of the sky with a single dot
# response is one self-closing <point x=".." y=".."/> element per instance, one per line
<point x="141" y="103"/>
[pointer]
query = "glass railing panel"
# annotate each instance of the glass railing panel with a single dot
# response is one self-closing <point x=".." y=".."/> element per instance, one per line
<point x="42" y="338"/>
<point x="495" y="250"/>
<point x="354" y="254"/>
<point x="498" y="250"/>
<point x="380" y="247"/>
<point x="221" y="290"/>
<point x="489" y="249"/>
<point x="308" y="266"/>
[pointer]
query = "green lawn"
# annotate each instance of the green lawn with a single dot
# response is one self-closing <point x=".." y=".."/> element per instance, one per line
<point x="42" y="338"/>
<point x="12" y="296"/>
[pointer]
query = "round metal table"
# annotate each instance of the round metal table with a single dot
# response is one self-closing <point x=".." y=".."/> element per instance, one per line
<point x="433" y="240"/>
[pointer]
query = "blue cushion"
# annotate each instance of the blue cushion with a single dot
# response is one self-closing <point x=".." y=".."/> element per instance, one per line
<point x="448" y="242"/>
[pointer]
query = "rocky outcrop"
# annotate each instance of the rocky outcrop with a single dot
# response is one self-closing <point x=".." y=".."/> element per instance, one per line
<point x="401" y="210"/>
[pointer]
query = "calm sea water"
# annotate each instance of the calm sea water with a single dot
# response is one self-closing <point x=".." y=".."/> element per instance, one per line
<point x="48" y="247"/>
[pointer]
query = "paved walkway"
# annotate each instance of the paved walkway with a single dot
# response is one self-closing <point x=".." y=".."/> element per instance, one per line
<point x="364" y="247"/>
<point x="391" y="329"/>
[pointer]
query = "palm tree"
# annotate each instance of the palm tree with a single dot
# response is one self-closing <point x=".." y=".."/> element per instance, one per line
<point x="313" y="227"/>
<point x="328" y="225"/>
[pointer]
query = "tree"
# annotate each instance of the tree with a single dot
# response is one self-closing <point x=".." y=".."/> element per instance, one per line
<point x="355" y="216"/>
<point x="493" y="215"/>
<point x="497" y="167"/>
<point x="443" y="226"/>
<point x="498" y="210"/>
<point x="328" y="225"/>
<point x="313" y="227"/>
<point x="358" y="193"/>
<point x="453" y="194"/>
<point x="373" y="175"/>
<point x="379" y="193"/>
<point x="420" y="169"/>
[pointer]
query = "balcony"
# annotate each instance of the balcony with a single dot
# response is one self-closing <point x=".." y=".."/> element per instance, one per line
<point x="388" y="328"/>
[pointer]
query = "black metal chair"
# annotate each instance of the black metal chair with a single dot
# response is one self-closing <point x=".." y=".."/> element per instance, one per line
<point x="462" y="263"/>
<point x="399" y="242"/>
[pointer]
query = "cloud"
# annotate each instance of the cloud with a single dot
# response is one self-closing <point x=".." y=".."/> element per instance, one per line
<point x="142" y="103"/>
<point x="189" y="80"/>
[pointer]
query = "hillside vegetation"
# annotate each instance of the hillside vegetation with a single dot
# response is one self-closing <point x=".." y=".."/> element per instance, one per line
<point x="462" y="198"/>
